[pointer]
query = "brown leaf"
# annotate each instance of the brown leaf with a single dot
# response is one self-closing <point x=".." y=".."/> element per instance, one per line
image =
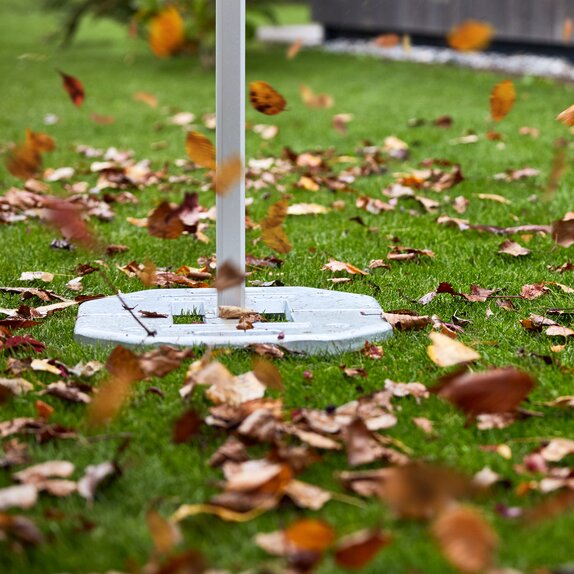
<point x="512" y="248"/>
<point x="531" y="292"/>
<point x="20" y="528"/>
<point x="267" y="373"/>
<point x="228" y="275"/>
<point x="447" y="352"/>
<point x="185" y="427"/>
<point x="502" y="99"/>
<point x="356" y="550"/>
<point x="124" y="368"/>
<point x="25" y="159"/>
<point x="164" y="222"/>
<point x="167" y="32"/>
<point x="265" y="99"/>
<point x="273" y="233"/>
<point x="563" y="231"/>
<point x="68" y="219"/>
<point x="146" y="98"/>
<point x="74" y="88"/>
<point x="334" y="265"/>
<point x="362" y="446"/>
<point x="466" y="539"/>
<point x="493" y="391"/>
<point x="407" y="321"/>
<point x="471" y="36"/>
<point x="165" y="535"/>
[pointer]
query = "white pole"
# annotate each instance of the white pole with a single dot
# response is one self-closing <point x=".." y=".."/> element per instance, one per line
<point x="230" y="62"/>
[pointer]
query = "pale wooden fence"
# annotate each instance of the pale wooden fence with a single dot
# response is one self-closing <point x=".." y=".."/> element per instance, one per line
<point x="535" y="21"/>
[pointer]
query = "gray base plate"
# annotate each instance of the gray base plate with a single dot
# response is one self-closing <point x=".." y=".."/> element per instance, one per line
<point x="315" y="320"/>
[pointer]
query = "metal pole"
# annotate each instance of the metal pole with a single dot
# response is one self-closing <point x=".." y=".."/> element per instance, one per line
<point x="230" y="82"/>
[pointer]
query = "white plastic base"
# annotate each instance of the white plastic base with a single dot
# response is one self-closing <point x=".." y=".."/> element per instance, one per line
<point x="316" y="320"/>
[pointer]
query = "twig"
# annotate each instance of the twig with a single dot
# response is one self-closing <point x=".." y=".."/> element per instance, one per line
<point x="106" y="278"/>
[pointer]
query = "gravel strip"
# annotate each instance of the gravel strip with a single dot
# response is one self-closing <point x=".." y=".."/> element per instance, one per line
<point x="516" y="64"/>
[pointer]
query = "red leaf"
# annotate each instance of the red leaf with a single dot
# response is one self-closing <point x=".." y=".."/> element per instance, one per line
<point x="74" y="88"/>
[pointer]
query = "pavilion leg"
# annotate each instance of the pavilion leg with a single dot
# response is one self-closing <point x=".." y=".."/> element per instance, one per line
<point x="231" y="139"/>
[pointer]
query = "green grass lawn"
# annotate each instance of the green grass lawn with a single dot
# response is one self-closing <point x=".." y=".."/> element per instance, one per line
<point x="383" y="97"/>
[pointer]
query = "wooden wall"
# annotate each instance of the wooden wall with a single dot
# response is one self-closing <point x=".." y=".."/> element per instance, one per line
<point x="520" y="20"/>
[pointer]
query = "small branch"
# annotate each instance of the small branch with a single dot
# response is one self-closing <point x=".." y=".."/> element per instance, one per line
<point x="106" y="278"/>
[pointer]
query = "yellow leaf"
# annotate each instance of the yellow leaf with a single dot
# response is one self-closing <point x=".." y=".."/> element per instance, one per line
<point x="200" y="150"/>
<point x="502" y="99"/>
<point x="446" y="352"/>
<point x="167" y="33"/>
<point x="273" y="234"/>
<point x="265" y="99"/>
<point x="470" y="36"/>
<point x="187" y="510"/>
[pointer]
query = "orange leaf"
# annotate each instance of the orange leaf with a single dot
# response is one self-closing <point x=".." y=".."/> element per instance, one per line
<point x="265" y="99"/>
<point x="200" y="150"/>
<point x="74" y="88"/>
<point x="146" y="98"/>
<point x="567" y="117"/>
<point x="311" y="535"/>
<point x="294" y="49"/>
<point x="39" y="141"/>
<point x="470" y="36"/>
<point x="272" y="231"/>
<point x="313" y="100"/>
<point x="23" y="161"/>
<point x="387" y="40"/>
<point x="228" y="174"/>
<point x="502" y="99"/>
<point x="167" y="33"/>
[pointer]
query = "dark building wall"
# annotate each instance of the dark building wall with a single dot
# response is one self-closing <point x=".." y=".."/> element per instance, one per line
<point x="537" y="21"/>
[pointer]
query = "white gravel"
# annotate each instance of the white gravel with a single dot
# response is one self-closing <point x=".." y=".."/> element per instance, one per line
<point x="519" y="64"/>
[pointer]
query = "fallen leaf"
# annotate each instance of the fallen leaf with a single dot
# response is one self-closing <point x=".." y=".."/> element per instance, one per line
<point x="96" y="475"/>
<point x="146" y="98"/>
<point x="21" y="496"/>
<point x="310" y="534"/>
<point x="74" y="88"/>
<point x="165" y="535"/>
<point x="466" y="539"/>
<point x="185" y="427"/>
<point x="265" y="99"/>
<point x="447" y="352"/>
<point x="357" y="550"/>
<point x="502" y="99"/>
<point x="335" y="266"/>
<point x="510" y="247"/>
<point x="268" y="374"/>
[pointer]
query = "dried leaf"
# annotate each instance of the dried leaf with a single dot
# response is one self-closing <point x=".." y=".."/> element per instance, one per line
<point x="466" y="539"/>
<point x="493" y="391"/>
<point x="273" y="234"/>
<point x="200" y="150"/>
<point x="74" y="88"/>
<point x="357" y="550"/>
<point x="185" y="427"/>
<point x="334" y="265"/>
<point x="447" y="352"/>
<point x="94" y="477"/>
<point x="21" y="496"/>
<point x="310" y="535"/>
<point x="267" y="373"/>
<point x="471" y="36"/>
<point x="567" y="117"/>
<point x="313" y="100"/>
<point x="265" y="99"/>
<point x="167" y="32"/>
<point x="228" y="174"/>
<point x="165" y="534"/>
<point x="294" y="49"/>
<point x="502" y="99"/>
<point x="512" y="248"/>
